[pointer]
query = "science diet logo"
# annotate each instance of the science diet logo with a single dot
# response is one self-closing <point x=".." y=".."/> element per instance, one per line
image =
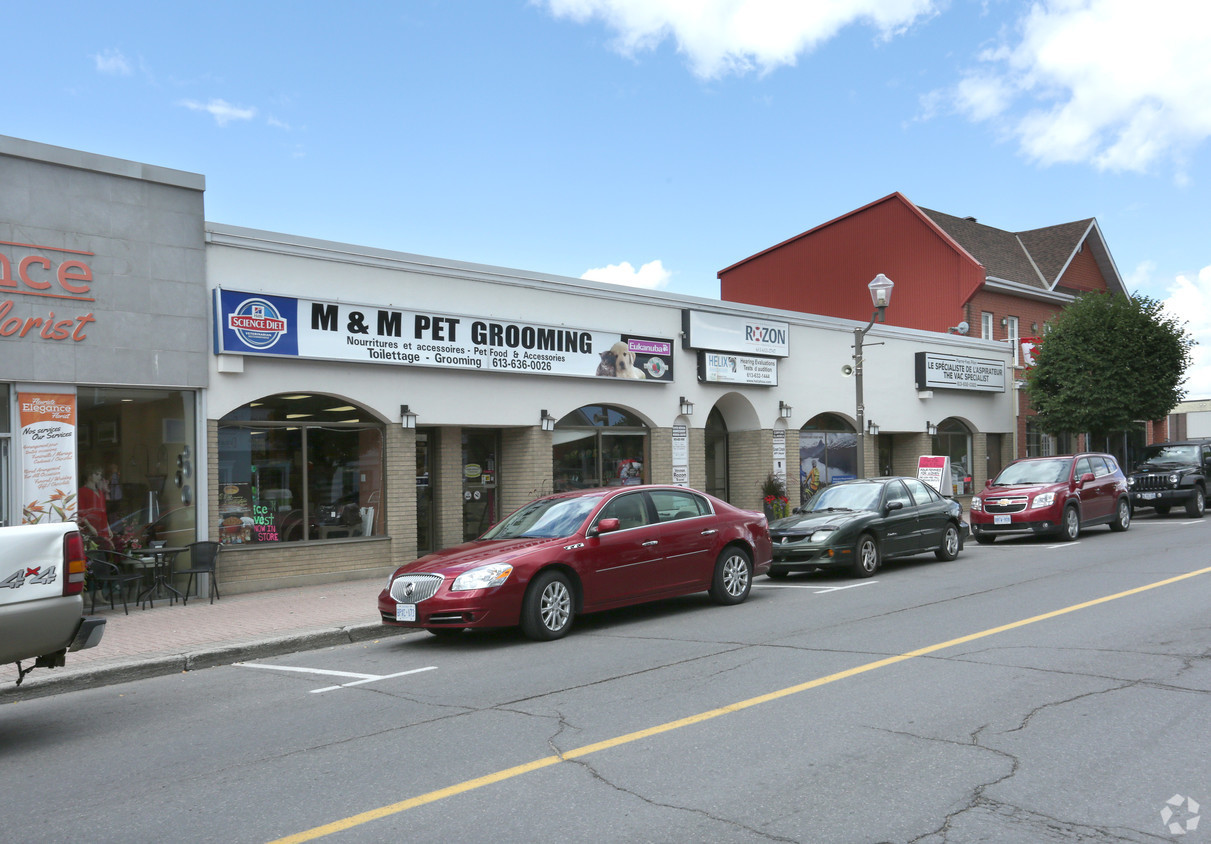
<point x="257" y="323"/>
<point x="1180" y="815"/>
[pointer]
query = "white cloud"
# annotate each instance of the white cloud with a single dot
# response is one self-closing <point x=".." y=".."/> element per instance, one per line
<point x="222" y="111"/>
<point x="112" y="61"/>
<point x="1189" y="300"/>
<point x="735" y="36"/>
<point x="651" y="275"/>
<point x="1115" y="83"/>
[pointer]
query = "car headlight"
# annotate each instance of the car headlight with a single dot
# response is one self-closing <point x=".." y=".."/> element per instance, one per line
<point x="483" y="577"/>
<point x="1174" y="478"/>
<point x="976" y="505"/>
<point x="1044" y="500"/>
<point x="822" y="535"/>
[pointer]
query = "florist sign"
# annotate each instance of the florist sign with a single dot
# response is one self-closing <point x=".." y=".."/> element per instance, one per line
<point x="45" y="292"/>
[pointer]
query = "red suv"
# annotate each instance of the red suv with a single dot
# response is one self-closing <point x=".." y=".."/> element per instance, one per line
<point x="1052" y="495"/>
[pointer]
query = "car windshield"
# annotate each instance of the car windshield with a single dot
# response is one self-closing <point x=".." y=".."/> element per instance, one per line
<point x="846" y="497"/>
<point x="1156" y="455"/>
<point x="546" y="518"/>
<point x="1035" y="472"/>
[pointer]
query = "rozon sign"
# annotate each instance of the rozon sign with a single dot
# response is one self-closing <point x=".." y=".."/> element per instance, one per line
<point x="61" y="276"/>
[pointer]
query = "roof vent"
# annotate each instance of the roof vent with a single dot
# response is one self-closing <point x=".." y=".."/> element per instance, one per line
<point x="971" y="219"/>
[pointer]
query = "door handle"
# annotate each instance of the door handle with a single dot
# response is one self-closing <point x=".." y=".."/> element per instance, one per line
<point x="651" y="542"/>
<point x="710" y="532"/>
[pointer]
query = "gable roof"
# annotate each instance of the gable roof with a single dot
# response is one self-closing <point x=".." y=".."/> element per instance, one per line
<point x="1035" y="257"/>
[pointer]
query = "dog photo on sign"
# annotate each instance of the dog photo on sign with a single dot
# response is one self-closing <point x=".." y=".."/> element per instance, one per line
<point x="619" y="362"/>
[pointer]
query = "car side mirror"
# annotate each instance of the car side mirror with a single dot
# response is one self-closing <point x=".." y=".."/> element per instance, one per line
<point x="894" y="505"/>
<point x="987" y="483"/>
<point x="1086" y="478"/>
<point x="606" y="526"/>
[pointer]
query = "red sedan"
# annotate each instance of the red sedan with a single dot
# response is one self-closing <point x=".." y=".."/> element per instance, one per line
<point x="580" y="552"/>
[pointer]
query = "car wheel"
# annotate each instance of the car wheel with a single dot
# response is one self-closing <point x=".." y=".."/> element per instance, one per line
<point x="1122" y="516"/>
<point x="949" y="549"/>
<point x="733" y="576"/>
<point x="1162" y="509"/>
<point x="776" y="575"/>
<point x="866" y="556"/>
<point x="546" y="612"/>
<point x="446" y="632"/>
<point x="1197" y="505"/>
<point x="1070" y="527"/>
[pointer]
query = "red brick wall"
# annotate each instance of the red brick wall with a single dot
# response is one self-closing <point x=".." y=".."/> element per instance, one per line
<point x="1083" y="275"/>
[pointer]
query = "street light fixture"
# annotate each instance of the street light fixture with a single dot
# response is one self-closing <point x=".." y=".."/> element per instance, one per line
<point x="880" y="296"/>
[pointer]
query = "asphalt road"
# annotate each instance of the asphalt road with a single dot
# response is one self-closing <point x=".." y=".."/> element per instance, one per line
<point x="1028" y="691"/>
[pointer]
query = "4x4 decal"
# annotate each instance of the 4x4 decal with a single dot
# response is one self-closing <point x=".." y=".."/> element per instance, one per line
<point x="27" y="575"/>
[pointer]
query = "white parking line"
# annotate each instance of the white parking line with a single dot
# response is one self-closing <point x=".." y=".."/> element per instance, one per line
<point x="818" y="590"/>
<point x="361" y="678"/>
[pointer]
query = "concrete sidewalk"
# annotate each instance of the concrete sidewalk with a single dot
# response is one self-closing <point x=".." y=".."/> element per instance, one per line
<point x="169" y="639"/>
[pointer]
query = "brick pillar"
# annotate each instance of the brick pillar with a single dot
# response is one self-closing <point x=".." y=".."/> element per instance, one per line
<point x="750" y="458"/>
<point x="448" y="488"/>
<point x="660" y="456"/>
<point x="526" y="467"/>
<point x="396" y="506"/>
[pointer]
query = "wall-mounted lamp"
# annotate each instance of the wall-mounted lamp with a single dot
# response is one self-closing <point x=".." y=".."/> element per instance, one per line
<point x="687" y="407"/>
<point x="931" y="429"/>
<point x="1004" y="322"/>
<point x="872" y="429"/>
<point x="547" y="420"/>
<point x="1034" y="328"/>
<point x="406" y="417"/>
<point x="784" y="409"/>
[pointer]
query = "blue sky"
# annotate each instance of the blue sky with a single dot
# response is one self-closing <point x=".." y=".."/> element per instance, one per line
<point x="647" y="142"/>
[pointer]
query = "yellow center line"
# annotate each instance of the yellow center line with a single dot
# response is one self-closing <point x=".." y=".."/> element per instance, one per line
<point x="596" y="747"/>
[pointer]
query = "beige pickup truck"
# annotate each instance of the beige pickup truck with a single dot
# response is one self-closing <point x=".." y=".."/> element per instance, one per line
<point x="42" y="572"/>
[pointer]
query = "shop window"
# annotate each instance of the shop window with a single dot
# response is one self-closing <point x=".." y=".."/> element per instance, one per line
<point x="599" y="445"/>
<point x="1038" y="444"/>
<point x="828" y="452"/>
<point x="299" y="468"/>
<point x="953" y="440"/>
<point x="137" y="466"/>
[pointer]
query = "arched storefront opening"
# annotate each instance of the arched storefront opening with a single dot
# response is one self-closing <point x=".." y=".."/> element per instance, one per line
<point x="953" y="440"/>
<point x="599" y="445"/>
<point x="828" y="452"/>
<point x="716" y="455"/>
<point x="299" y="468"/>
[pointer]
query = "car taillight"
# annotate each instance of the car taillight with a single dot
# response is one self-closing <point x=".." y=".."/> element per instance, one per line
<point x="75" y="564"/>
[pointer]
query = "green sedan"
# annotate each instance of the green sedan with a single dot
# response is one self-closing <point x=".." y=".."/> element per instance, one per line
<point x="857" y="524"/>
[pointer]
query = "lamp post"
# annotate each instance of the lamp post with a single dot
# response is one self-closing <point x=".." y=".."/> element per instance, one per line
<point x="880" y="295"/>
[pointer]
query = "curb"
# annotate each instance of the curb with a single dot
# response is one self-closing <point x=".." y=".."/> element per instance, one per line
<point x="67" y="680"/>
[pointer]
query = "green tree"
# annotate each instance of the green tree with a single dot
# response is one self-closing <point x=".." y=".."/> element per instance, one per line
<point x="1107" y="361"/>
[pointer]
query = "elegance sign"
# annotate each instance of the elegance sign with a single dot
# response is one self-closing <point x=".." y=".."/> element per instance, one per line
<point x="253" y="323"/>
<point x="29" y="272"/>
<point x="949" y="372"/>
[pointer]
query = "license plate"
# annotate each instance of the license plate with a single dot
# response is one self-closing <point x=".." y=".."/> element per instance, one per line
<point x="1005" y="519"/>
<point x="1148" y="496"/>
<point x="405" y="612"/>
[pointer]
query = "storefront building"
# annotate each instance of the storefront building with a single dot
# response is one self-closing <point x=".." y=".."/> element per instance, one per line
<point x="104" y="343"/>
<point x="329" y="411"/>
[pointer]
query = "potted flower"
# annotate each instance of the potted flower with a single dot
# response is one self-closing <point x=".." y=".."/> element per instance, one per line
<point x="773" y="497"/>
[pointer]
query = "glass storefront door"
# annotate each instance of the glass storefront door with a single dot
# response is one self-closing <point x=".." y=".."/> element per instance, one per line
<point x="480" y="481"/>
<point x="716" y="454"/>
<point x="424" y="494"/>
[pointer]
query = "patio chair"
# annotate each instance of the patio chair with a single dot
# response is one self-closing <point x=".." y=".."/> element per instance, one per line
<point x="203" y="559"/>
<point x="102" y="573"/>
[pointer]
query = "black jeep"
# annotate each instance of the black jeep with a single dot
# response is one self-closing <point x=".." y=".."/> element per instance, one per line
<point x="1169" y="474"/>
